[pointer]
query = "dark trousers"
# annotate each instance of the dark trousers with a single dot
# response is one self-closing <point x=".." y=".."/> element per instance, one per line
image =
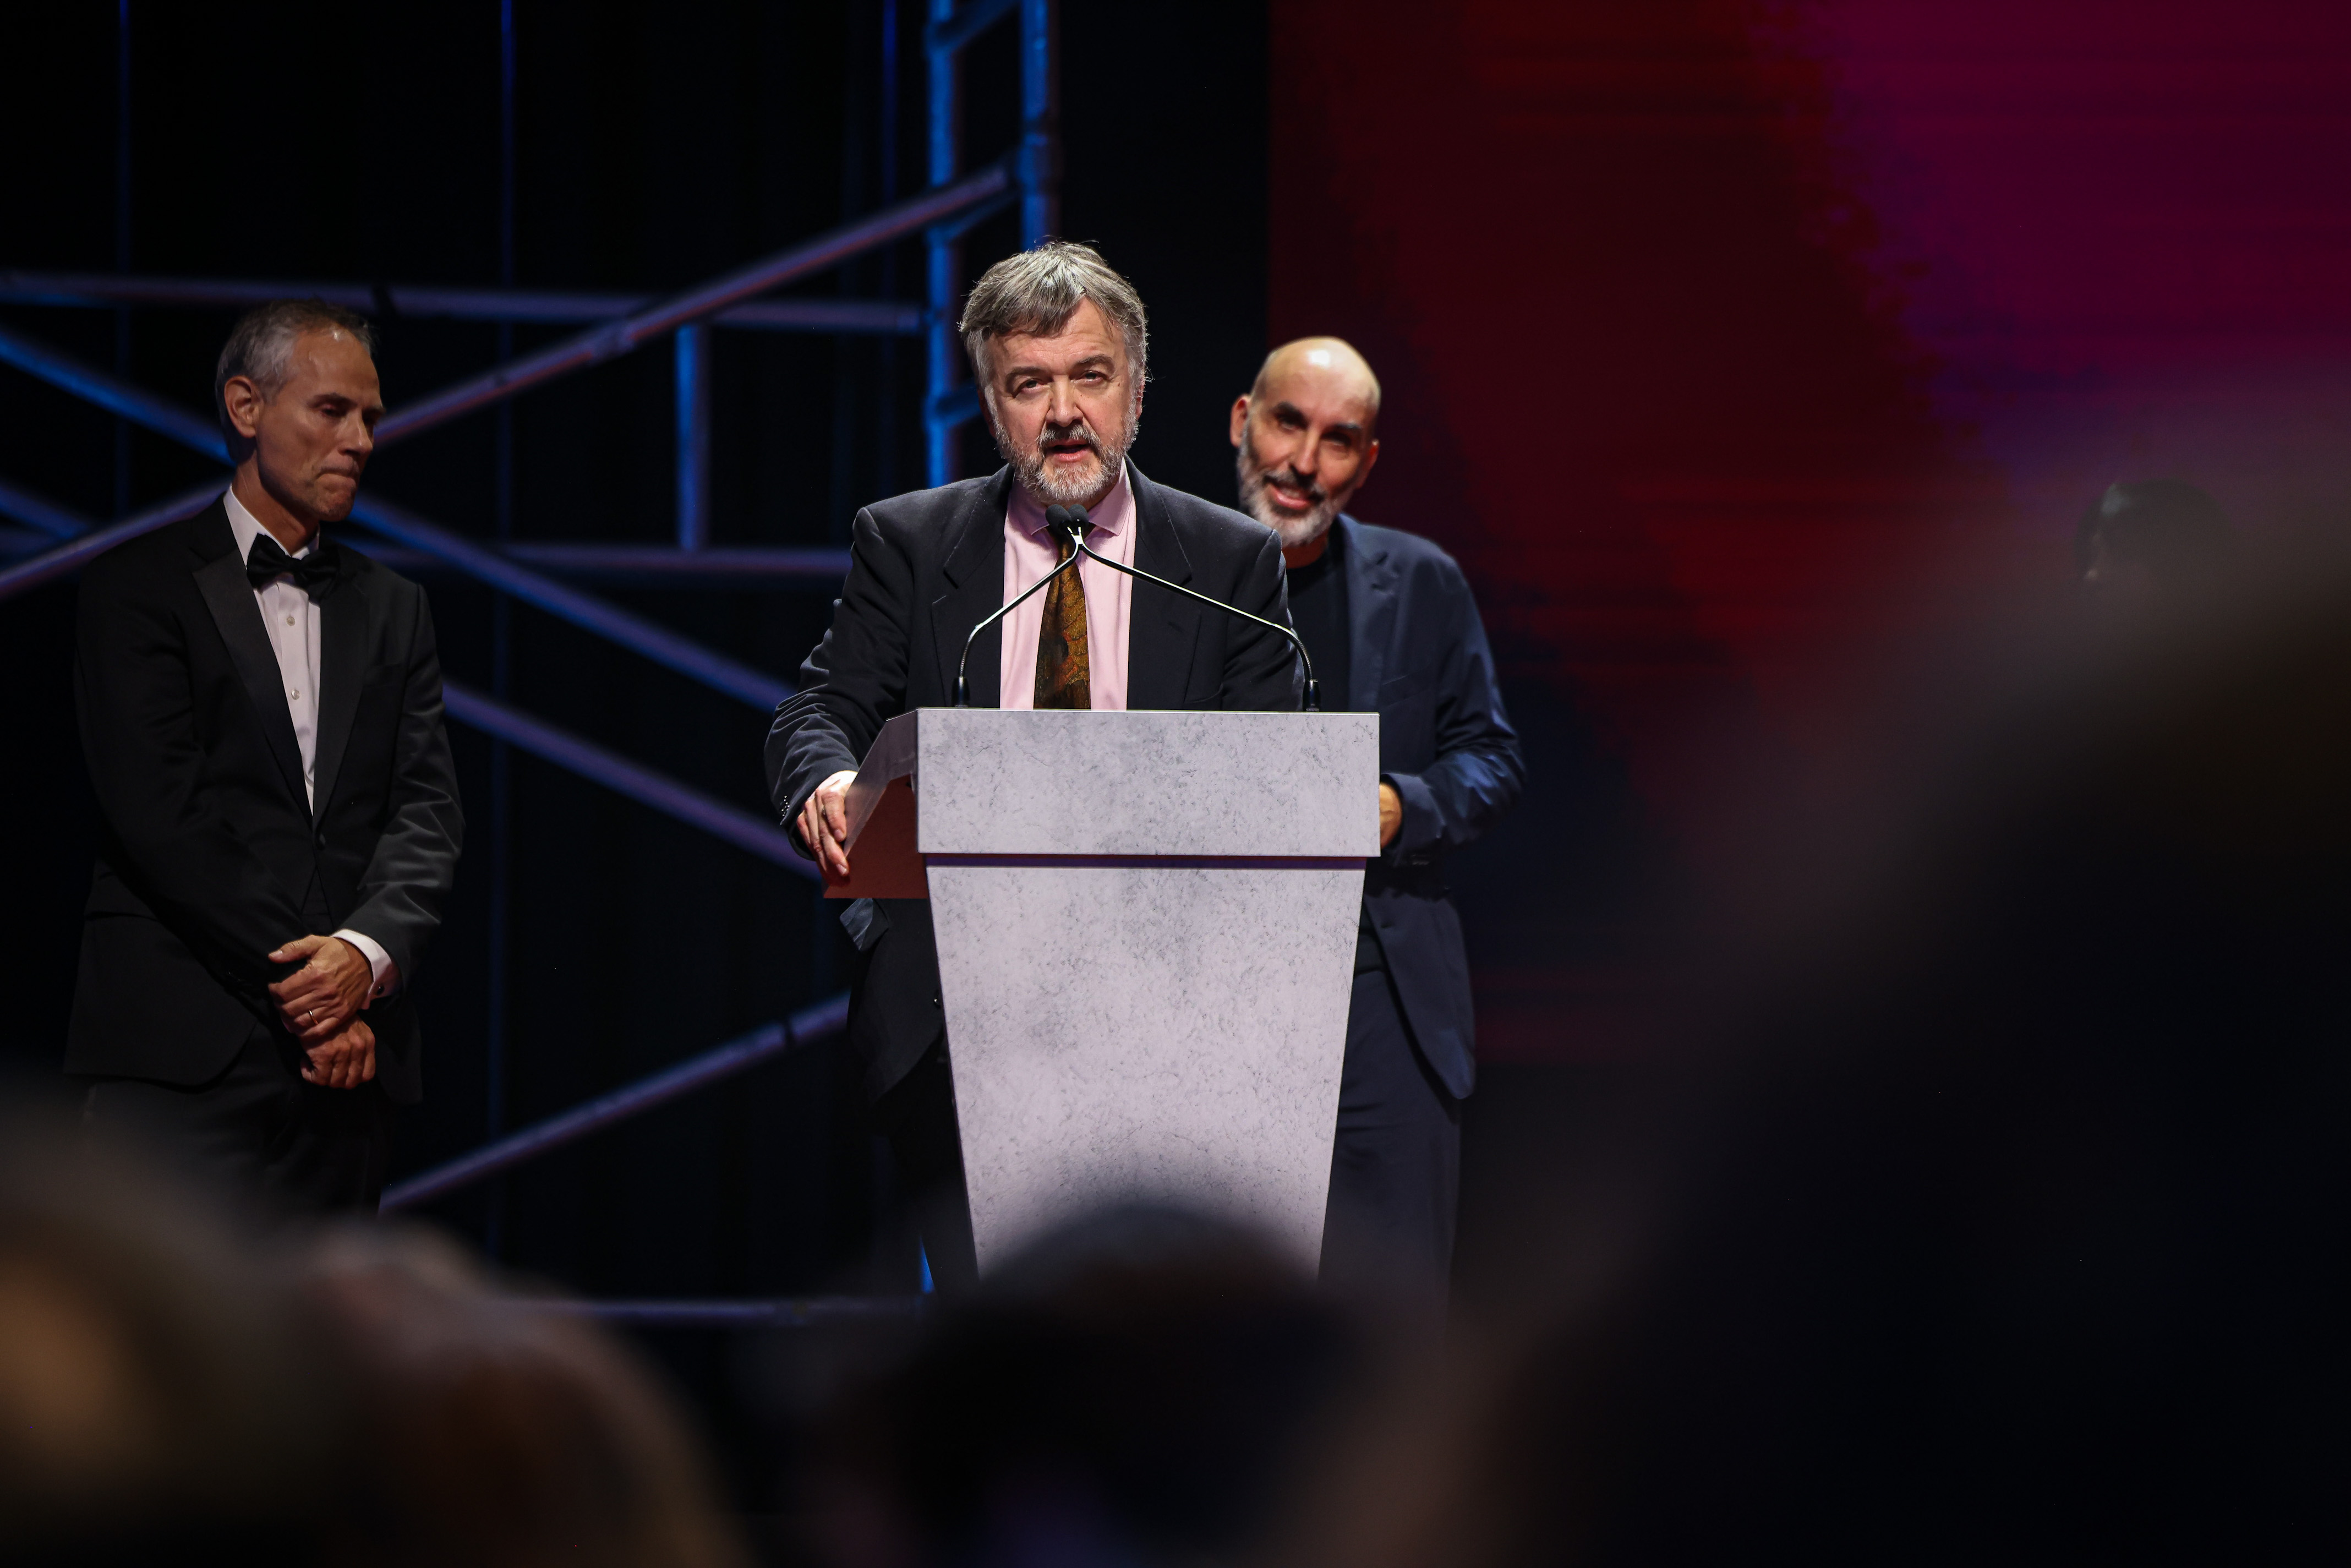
<point x="917" y="1115"/>
<point x="1395" y="1165"/>
<point x="258" y="1127"/>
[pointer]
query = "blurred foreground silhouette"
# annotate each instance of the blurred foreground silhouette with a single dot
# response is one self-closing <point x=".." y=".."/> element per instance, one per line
<point x="177" y="1388"/>
<point x="1141" y="1386"/>
<point x="2001" y="1208"/>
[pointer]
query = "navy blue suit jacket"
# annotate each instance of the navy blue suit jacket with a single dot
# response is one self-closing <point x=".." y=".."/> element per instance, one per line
<point x="1418" y="657"/>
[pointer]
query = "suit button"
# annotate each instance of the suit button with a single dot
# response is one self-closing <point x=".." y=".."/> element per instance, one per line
<point x="934" y="1001"/>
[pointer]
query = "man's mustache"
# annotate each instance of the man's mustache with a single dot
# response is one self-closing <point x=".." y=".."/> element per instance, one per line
<point x="1292" y="482"/>
<point x="1076" y="430"/>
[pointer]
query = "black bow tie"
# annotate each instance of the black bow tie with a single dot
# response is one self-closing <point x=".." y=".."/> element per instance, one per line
<point x="267" y="562"/>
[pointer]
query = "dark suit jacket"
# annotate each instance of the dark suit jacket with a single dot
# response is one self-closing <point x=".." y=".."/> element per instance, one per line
<point x="209" y="857"/>
<point x="1418" y="657"/>
<point x="924" y="569"/>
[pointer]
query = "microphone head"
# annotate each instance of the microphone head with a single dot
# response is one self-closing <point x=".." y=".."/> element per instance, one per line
<point x="1067" y="521"/>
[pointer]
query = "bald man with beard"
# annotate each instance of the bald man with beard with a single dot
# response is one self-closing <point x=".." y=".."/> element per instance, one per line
<point x="1393" y="630"/>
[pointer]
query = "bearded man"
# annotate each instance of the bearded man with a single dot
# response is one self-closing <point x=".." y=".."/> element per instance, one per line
<point x="1389" y="623"/>
<point x="1058" y="344"/>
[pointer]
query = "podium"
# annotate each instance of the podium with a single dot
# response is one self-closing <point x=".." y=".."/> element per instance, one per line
<point x="1147" y="932"/>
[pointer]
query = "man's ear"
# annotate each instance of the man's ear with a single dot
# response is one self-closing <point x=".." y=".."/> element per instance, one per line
<point x="241" y="398"/>
<point x="1240" y="417"/>
<point x="1370" y="461"/>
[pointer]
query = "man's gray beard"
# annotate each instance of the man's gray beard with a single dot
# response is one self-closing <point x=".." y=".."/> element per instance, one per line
<point x="1052" y="489"/>
<point x="1292" y="531"/>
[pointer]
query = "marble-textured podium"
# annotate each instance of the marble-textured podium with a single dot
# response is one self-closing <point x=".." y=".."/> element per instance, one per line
<point x="1146" y="930"/>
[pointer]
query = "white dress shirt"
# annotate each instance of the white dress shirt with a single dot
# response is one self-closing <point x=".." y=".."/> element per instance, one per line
<point x="291" y="619"/>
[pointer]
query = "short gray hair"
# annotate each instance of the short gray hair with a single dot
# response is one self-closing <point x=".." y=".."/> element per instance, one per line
<point x="1039" y="290"/>
<point x="260" y="347"/>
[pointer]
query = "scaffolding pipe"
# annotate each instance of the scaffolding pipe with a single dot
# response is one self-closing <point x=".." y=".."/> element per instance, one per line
<point x="42" y="514"/>
<point x="692" y="371"/>
<point x="1041" y="148"/>
<point x="414" y="302"/>
<point x="941" y="250"/>
<point x="113" y="393"/>
<point x="950" y="31"/>
<point x="744" y="830"/>
<point x="654" y="566"/>
<point x="621" y="337"/>
<point x="585" y="610"/>
<point x="76" y="553"/>
<point x="808" y="1025"/>
<point x="590" y="614"/>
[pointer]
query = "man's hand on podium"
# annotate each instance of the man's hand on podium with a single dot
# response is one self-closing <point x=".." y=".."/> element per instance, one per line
<point x="824" y="825"/>
<point x="1390" y="814"/>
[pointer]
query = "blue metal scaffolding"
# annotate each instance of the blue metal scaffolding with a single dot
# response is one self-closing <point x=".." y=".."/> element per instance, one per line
<point x="55" y="541"/>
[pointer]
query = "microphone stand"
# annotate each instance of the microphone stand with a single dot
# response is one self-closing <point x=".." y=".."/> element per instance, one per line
<point x="1074" y="529"/>
<point x="962" y="688"/>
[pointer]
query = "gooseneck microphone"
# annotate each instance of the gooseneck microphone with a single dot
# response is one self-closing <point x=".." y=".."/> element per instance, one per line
<point x="963" y="687"/>
<point x="1070" y="523"/>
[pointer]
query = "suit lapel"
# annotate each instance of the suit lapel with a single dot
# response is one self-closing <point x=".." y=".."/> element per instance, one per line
<point x="229" y="597"/>
<point x="1161" y="627"/>
<point x="974" y="569"/>
<point x="1370" y="615"/>
<point x="342" y="663"/>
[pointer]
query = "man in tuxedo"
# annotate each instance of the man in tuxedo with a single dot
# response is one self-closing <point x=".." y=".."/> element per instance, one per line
<point x="1389" y="623"/>
<point x="1058" y="344"/>
<point x="278" y="819"/>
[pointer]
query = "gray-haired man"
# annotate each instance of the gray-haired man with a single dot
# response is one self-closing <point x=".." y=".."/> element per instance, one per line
<point x="1058" y="344"/>
<point x="278" y="812"/>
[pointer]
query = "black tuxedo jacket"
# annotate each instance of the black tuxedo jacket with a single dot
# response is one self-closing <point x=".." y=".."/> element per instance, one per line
<point x="924" y="569"/>
<point x="1417" y="657"/>
<point x="209" y="855"/>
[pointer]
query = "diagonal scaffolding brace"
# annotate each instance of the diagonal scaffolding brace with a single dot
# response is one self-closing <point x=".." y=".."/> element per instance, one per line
<point x="821" y="1022"/>
<point x="601" y="617"/>
<point x="742" y="829"/>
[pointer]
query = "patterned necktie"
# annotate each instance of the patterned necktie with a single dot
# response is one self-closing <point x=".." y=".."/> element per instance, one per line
<point x="1062" y="644"/>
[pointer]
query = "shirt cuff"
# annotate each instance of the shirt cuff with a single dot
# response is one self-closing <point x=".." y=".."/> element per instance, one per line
<point x="379" y="961"/>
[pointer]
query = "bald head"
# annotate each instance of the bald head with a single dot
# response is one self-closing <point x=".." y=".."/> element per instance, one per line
<point x="1306" y="434"/>
<point x="1328" y="365"/>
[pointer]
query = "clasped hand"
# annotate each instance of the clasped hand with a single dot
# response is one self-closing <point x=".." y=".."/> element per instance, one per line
<point x="321" y="1003"/>
<point x="824" y="825"/>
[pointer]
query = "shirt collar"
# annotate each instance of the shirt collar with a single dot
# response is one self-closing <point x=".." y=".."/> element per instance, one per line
<point x="248" y="529"/>
<point x="1116" y="510"/>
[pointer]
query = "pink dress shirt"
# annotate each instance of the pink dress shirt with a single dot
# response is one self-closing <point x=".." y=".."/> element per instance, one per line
<point x="1028" y="554"/>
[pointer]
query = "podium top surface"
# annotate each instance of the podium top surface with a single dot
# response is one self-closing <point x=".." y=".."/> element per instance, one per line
<point x="993" y="781"/>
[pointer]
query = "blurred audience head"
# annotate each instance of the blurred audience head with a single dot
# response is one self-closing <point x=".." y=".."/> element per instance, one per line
<point x="2151" y="539"/>
<point x="503" y="1432"/>
<point x="2004" y="1216"/>
<point x="179" y="1386"/>
<point x="160" y="1399"/>
<point x="1137" y="1388"/>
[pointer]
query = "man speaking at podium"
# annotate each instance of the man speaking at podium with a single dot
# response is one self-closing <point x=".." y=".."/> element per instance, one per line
<point x="1059" y="345"/>
<point x="1392" y="627"/>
